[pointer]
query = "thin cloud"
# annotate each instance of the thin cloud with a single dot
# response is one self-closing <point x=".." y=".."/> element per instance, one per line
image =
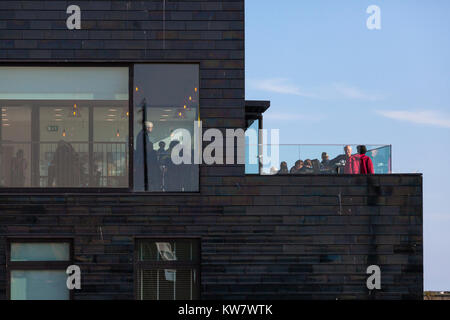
<point x="432" y="118"/>
<point x="277" y="116"/>
<point x="355" y="93"/>
<point x="278" y="85"/>
<point x="329" y="92"/>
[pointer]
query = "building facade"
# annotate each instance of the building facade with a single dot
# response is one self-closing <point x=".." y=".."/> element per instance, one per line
<point x="89" y="117"/>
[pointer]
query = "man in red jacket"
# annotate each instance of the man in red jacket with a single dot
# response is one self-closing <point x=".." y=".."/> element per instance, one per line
<point x="351" y="162"/>
<point x="365" y="163"/>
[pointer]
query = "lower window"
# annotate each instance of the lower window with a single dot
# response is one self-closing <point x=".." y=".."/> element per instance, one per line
<point x="37" y="269"/>
<point x="167" y="269"/>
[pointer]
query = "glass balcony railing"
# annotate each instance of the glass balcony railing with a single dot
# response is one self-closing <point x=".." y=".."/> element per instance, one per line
<point x="265" y="159"/>
<point x="70" y="164"/>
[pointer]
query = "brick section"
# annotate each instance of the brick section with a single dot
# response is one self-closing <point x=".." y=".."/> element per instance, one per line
<point x="281" y="237"/>
<point x="207" y="32"/>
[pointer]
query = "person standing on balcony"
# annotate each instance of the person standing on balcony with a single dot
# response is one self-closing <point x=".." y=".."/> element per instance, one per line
<point x="365" y="163"/>
<point x="283" y="168"/>
<point x="325" y="163"/>
<point x="307" y="167"/>
<point x="350" y="166"/>
<point x="296" y="168"/>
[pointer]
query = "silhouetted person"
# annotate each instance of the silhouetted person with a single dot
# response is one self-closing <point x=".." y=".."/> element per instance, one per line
<point x="66" y="168"/>
<point x="18" y="166"/>
<point x="161" y="153"/>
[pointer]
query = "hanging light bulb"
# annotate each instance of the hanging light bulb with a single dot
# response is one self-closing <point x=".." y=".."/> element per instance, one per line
<point x="118" y="133"/>
<point x="196" y="89"/>
<point x="190" y="98"/>
<point x="64" y="133"/>
<point x="184" y="107"/>
<point x="137" y="89"/>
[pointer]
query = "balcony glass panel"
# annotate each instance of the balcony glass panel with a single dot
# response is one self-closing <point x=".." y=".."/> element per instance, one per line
<point x="317" y="159"/>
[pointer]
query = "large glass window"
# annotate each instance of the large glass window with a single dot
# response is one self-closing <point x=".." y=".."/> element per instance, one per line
<point x="168" y="269"/>
<point x="64" y="126"/>
<point x="36" y="251"/>
<point x="37" y="270"/>
<point x="166" y="102"/>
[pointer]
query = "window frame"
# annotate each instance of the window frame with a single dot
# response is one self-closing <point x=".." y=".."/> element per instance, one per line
<point x="102" y="190"/>
<point x="139" y="265"/>
<point x="36" y="265"/>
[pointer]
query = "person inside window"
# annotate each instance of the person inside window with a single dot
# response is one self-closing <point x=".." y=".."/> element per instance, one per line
<point x="161" y="152"/>
<point x="296" y="168"/>
<point x="18" y="166"/>
<point x="365" y="163"/>
<point x="66" y="168"/>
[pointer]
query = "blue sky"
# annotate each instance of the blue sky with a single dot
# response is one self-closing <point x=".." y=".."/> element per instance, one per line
<point x="331" y="80"/>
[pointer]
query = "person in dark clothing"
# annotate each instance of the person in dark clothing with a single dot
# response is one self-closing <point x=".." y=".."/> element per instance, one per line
<point x="18" y="167"/>
<point x="161" y="152"/>
<point x="307" y="167"/>
<point x="66" y="168"/>
<point x="325" y="163"/>
<point x="365" y="163"/>
<point x="327" y="166"/>
<point x="296" y="168"/>
<point x="283" y="168"/>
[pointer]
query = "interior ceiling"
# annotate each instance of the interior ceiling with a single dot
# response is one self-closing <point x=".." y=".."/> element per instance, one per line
<point x="51" y="110"/>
